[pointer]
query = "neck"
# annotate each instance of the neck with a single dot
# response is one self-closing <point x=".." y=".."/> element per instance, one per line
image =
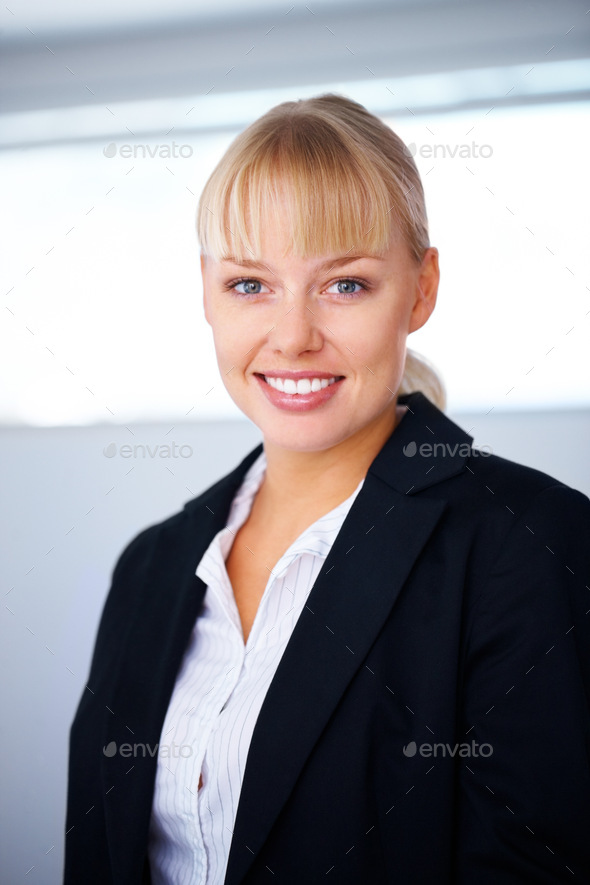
<point x="314" y="481"/>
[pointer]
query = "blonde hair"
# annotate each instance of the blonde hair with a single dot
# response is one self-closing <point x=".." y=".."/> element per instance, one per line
<point x="342" y="177"/>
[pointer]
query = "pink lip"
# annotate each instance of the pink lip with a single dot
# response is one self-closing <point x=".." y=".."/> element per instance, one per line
<point x="299" y="402"/>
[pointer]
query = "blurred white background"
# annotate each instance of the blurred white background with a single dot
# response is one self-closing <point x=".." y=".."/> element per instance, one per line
<point x="103" y="318"/>
<point x="113" y="116"/>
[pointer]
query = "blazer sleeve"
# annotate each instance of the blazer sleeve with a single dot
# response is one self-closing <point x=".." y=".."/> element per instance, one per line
<point x="523" y="810"/>
<point x="86" y="845"/>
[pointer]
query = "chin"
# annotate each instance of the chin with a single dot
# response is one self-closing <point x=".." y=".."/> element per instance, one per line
<point x="305" y="439"/>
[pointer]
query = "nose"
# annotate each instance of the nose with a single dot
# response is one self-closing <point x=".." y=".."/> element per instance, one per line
<point x="297" y="329"/>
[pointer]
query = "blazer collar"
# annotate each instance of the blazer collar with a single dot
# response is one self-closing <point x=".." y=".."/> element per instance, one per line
<point x="425" y="448"/>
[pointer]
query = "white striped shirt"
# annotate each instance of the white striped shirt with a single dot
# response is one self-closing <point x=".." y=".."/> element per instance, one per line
<point x="219" y="690"/>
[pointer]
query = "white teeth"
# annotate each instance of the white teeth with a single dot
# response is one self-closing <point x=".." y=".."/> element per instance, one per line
<point x="303" y="386"/>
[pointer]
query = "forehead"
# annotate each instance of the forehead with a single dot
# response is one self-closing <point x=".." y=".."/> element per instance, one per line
<point x="278" y="263"/>
<point x="320" y="264"/>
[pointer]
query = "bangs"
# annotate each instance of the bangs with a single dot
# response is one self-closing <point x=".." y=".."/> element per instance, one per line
<point x="334" y="196"/>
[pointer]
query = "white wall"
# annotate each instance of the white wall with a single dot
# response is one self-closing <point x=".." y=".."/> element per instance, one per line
<point x="67" y="510"/>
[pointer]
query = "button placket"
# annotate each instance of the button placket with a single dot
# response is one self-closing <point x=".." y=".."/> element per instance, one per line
<point x="220" y="697"/>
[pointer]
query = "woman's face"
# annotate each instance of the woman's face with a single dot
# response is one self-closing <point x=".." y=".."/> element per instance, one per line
<point x="338" y="323"/>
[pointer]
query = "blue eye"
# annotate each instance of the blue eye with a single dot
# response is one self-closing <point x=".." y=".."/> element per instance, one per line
<point x="346" y="287"/>
<point x="252" y="287"/>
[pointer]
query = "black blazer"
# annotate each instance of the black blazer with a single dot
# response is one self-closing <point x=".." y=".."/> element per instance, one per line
<point x="452" y="609"/>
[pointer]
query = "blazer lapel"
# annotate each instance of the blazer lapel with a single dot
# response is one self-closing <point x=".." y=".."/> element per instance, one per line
<point x="169" y="600"/>
<point x="381" y="538"/>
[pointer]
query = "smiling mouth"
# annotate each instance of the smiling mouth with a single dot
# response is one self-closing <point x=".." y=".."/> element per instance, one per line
<point x="301" y="386"/>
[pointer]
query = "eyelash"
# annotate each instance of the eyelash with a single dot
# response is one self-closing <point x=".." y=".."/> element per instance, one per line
<point x="229" y="287"/>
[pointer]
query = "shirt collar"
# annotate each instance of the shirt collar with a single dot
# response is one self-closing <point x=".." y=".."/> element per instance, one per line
<point x="316" y="540"/>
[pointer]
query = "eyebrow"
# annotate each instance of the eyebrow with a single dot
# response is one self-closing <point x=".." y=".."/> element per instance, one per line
<point x="336" y="262"/>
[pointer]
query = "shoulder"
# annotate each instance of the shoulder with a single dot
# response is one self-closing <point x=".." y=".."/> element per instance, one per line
<point x="506" y="517"/>
<point x="524" y="536"/>
<point x="491" y="502"/>
<point x="528" y="572"/>
<point x="511" y="478"/>
<point x="493" y="485"/>
<point x="528" y="502"/>
<point x="491" y="481"/>
<point x="431" y="456"/>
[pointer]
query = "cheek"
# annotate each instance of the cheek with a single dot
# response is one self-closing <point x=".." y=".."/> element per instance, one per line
<point x="225" y="327"/>
<point x="235" y="336"/>
<point x="381" y="343"/>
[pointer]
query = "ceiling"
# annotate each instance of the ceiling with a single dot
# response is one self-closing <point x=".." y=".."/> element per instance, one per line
<point x="63" y="54"/>
<point x="66" y="18"/>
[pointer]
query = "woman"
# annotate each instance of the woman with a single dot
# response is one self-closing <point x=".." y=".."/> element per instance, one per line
<point x="363" y="655"/>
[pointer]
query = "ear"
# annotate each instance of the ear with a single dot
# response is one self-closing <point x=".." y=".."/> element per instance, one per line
<point x="204" y="277"/>
<point x="426" y="289"/>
